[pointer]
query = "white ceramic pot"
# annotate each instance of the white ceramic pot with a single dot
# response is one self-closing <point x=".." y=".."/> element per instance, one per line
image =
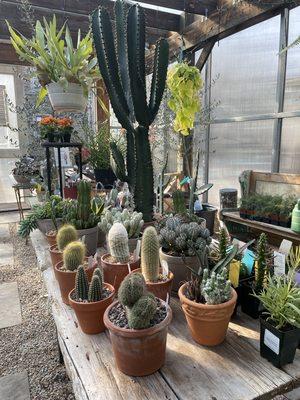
<point x="67" y="99"/>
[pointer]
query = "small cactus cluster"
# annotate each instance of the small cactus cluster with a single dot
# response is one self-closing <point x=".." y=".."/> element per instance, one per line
<point x="86" y="292"/>
<point x="118" y="243"/>
<point x="179" y="202"/>
<point x="216" y="288"/>
<point x="263" y="259"/>
<point x="180" y="238"/>
<point x="73" y="255"/>
<point x="140" y="304"/>
<point x="65" y="235"/>
<point x="112" y="198"/>
<point x="133" y="221"/>
<point x="150" y="254"/>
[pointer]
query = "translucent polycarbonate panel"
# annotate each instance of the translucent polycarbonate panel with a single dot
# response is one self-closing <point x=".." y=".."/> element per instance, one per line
<point x="292" y="88"/>
<point x="236" y="147"/>
<point x="244" y="68"/>
<point x="290" y="146"/>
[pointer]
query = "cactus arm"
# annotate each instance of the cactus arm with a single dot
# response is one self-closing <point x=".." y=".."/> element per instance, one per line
<point x="105" y="49"/>
<point x="158" y="83"/>
<point x="119" y="161"/>
<point x="136" y="63"/>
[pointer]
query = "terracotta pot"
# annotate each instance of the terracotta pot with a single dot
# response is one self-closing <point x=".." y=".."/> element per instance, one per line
<point x="91" y="239"/>
<point x="178" y="267"/>
<point x="146" y="225"/>
<point x="70" y="192"/>
<point x="46" y="225"/>
<point x="51" y="239"/>
<point x="55" y="254"/>
<point x="159" y="289"/>
<point x="66" y="280"/>
<point x="90" y="315"/>
<point x="139" y="352"/>
<point x="208" y="324"/>
<point x="115" y="273"/>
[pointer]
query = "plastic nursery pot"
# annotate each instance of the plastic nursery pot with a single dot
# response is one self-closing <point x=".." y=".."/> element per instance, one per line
<point x="160" y="289"/>
<point x="250" y="305"/>
<point x="208" y="323"/>
<point x="139" y="352"/>
<point x="66" y="279"/>
<point x="51" y="237"/>
<point x="90" y="315"/>
<point x="90" y="240"/>
<point x="114" y="273"/>
<point x="208" y="213"/>
<point x="278" y="346"/>
<point x="178" y="266"/>
<point x="105" y="176"/>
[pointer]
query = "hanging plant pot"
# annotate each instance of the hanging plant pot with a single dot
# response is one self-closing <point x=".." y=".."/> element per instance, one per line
<point x="67" y="99"/>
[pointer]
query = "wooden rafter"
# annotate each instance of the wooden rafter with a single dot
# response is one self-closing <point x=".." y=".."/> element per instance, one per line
<point x="202" y="7"/>
<point x="205" y="54"/>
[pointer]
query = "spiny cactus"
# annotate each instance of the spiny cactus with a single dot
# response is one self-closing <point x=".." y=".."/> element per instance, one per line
<point x="118" y="243"/>
<point x="121" y="57"/>
<point x="223" y="242"/>
<point x="73" y="255"/>
<point x="150" y="254"/>
<point x="216" y="288"/>
<point x="98" y="273"/>
<point x="133" y="221"/>
<point x="179" y="202"/>
<point x="262" y="258"/>
<point x="84" y="200"/>
<point x="65" y="235"/>
<point x="81" y="284"/>
<point x="140" y="305"/>
<point x="95" y="289"/>
<point x="112" y="198"/>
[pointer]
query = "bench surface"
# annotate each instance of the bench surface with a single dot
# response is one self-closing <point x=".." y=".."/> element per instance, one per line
<point x="233" y="370"/>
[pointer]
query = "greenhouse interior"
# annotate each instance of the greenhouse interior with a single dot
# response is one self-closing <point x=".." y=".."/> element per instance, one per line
<point x="149" y="200"/>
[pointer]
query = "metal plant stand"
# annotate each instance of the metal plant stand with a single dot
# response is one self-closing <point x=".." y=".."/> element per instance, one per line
<point x="58" y="146"/>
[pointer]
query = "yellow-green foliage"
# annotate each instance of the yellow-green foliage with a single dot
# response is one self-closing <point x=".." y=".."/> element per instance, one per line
<point x="65" y="235"/>
<point x="73" y="255"/>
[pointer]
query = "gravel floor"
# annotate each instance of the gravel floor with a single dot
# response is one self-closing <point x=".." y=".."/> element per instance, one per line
<point x="32" y="346"/>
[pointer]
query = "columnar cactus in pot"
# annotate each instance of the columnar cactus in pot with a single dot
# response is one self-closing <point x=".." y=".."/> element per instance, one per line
<point x="137" y="317"/>
<point x="121" y="57"/>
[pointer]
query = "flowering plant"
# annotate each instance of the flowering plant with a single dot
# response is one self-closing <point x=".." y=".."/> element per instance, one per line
<point x="48" y="126"/>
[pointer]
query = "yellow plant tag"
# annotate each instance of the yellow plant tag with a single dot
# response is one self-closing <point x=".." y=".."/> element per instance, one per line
<point x="234" y="272"/>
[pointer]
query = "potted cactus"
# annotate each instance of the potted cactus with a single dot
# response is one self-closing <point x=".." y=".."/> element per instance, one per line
<point x="65" y="271"/>
<point x="89" y="301"/>
<point x="65" y="235"/>
<point x="138" y="325"/>
<point x="157" y="283"/>
<point x="119" y="262"/>
<point x="133" y="222"/>
<point x="180" y="243"/>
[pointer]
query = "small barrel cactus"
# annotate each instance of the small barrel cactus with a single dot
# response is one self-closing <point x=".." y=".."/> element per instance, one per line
<point x="73" y="255"/>
<point x="150" y="254"/>
<point x="140" y="305"/>
<point x="81" y="284"/>
<point x="65" y="235"/>
<point x="95" y="289"/>
<point x="216" y="288"/>
<point x="118" y="243"/>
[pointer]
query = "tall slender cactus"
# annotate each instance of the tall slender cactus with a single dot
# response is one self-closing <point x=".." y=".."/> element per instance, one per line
<point x="121" y="58"/>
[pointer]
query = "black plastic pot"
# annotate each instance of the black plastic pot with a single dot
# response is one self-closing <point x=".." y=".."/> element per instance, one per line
<point x="250" y="305"/>
<point x="278" y="346"/>
<point x="66" y="137"/>
<point x="286" y="223"/>
<point x="51" y="137"/>
<point x="105" y="176"/>
<point x="208" y="213"/>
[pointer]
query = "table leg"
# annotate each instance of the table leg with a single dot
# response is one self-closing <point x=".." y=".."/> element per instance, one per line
<point x="48" y="170"/>
<point x="80" y="162"/>
<point x="60" y="173"/>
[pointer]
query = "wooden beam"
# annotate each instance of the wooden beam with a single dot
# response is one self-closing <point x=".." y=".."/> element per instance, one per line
<point x="224" y="23"/>
<point x="204" y="55"/>
<point x="9" y="56"/>
<point x="202" y="7"/>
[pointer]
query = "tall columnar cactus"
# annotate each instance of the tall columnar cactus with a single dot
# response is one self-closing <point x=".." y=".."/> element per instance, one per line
<point x="73" y="255"/>
<point x="121" y="58"/>
<point x="118" y="243"/>
<point x="179" y="202"/>
<point x="99" y="273"/>
<point x="216" y="288"/>
<point x="150" y="254"/>
<point x="81" y="284"/>
<point x="65" y="235"/>
<point x="223" y="241"/>
<point x="140" y="305"/>
<point x="95" y="289"/>
<point x="261" y="264"/>
<point x="84" y="201"/>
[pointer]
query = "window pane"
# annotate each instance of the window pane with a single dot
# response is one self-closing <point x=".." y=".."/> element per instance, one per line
<point x="290" y="146"/>
<point x="236" y="147"/>
<point x="245" y="68"/>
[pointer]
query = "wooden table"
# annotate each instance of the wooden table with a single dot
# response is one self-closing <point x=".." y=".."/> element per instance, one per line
<point x="233" y="370"/>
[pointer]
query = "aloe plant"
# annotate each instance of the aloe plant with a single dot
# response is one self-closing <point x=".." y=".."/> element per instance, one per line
<point x="121" y="57"/>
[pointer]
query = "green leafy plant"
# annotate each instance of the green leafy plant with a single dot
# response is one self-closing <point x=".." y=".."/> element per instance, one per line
<point x="263" y="263"/>
<point x="98" y="143"/>
<point x="55" y="58"/>
<point x="184" y="82"/>
<point x="293" y="259"/>
<point x="281" y="299"/>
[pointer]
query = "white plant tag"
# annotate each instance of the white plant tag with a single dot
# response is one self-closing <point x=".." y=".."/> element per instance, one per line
<point x="165" y="268"/>
<point x="137" y="250"/>
<point x="90" y="261"/>
<point x="285" y="247"/>
<point x="279" y="263"/>
<point x="129" y="267"/>
<point x="272" y="341"/>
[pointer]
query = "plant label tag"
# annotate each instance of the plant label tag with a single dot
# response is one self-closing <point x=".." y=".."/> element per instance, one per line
<point x="272" y="341"/>
<point x="137" y="250"/>
<point x="90" y="261"/>
<point x="285" y="247"/>
<point x="279" y="263"/>
<point x="165" y="268"/>
<point x="129" y="267"/>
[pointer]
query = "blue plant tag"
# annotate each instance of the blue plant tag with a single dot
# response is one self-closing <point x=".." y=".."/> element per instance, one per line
<point x="248" y="260"/>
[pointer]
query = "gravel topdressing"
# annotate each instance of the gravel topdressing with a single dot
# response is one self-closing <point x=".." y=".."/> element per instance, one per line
<point x="32" y="346"/>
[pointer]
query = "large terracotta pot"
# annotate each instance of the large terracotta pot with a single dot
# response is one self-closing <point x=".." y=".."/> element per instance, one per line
<point x="51" y="239"/>
<point x="67" y="99"/>
<point x="208" y="324"/>
<point x="66" y="279"/>
<point x="159" y="289"/>
<point x="90" y="315"/>
<point x="139" y="352"/>
<point x="91" y="239"/>
<point x="114" y="273"/>
<point x="178" y="266"/>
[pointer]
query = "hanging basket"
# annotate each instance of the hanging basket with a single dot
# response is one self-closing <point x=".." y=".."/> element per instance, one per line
<point x="67" y="99"/>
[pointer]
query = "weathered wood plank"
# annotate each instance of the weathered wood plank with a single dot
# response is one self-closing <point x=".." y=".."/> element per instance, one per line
<point x="202" y="7"/>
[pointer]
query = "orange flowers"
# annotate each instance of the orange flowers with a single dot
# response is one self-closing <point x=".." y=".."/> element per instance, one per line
<point x="59" y="122"/>
<point x="64" y="122"/>
<point x="48" y="120"/>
